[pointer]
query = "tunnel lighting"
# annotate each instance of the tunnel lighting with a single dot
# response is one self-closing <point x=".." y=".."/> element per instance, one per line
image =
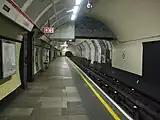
<point x="78" y="2"/>
<point x="75" y="9"/>
<point x="73" y="17"/>
<point x="65" y="49"/>
<point x="70" y="11"/>
<point x="134" y="106"/>
<point x="115" y="92"/>
<point x="64" y="44"/>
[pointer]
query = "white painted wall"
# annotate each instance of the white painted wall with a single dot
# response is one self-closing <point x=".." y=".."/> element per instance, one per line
<point x="134" y="55"/>
<point x="133" y="22"/>
<point x="128" y="57"/>
<point x="129" y="19"/>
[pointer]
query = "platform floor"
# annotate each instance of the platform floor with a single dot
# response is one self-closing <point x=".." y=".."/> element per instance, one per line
<point x="57" y="94"/>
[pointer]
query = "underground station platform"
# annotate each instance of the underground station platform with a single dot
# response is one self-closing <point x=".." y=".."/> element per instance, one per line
<point x="63" y="92"/>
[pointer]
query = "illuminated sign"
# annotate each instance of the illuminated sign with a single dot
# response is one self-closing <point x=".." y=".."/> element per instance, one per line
<point x="48" y="30"/>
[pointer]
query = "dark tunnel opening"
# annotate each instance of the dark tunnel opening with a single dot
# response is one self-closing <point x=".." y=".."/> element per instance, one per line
<point x="69" y="54"/>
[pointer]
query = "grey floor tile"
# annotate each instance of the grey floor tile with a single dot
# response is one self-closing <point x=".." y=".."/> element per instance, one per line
<point x="70" y="78"/>
<point x="74" y="108"/>
<point x="34" y="93"/>
<point x="50" y="104"/>
<point x="53" y="96"/>
<point x="74" y="105"/>
<point x="78" y="117"/>
<point x="37" y="86"/>
<point x="3" y="118"/>
<point x="54" y="93"/>
<point x="17" y="112"/>
<point x="55" y="77"/>
<point x="69" y="83"/>
<point x="56" y="86"/>
<point x="67" y="75"/>
<point x="51" y="117"/>
<point x="73" y="94"/>
<point x="26" y="102"/>
<point x="21" y="118"/>
<point x="54" y="99"/>
<point x="72" y="99"/>
<point x="46" y="112"/>
<point x="73" y="111"/>
<point x="71" y="89"/>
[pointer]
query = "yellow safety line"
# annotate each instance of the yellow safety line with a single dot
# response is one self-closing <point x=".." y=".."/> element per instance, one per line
<point x="115" y="116"/>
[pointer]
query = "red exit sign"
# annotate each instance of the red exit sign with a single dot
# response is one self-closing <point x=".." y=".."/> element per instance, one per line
<point x="48" y="30"/>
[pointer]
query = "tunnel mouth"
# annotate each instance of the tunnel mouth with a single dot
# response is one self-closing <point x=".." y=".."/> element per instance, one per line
<point x="69" y="54"/>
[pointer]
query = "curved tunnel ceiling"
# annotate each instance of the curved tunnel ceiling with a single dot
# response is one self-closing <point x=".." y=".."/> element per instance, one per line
<point x="128" y="19"/>
<point x="87" y="27"/>
<point x="42" y="11"/>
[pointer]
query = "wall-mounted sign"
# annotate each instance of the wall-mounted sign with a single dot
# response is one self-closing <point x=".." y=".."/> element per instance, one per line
<point x="48" y="30"/>
<point x="8" y="58"/>
<point x="6" y="8"/>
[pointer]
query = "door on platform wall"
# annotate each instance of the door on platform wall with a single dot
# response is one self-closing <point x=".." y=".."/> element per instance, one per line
<point x="23" y="62"/>
<point x="151" y="62"/>
<point x="37" y="59"/>
<point x="50" y="55"/>
<point x="108" y="60"/>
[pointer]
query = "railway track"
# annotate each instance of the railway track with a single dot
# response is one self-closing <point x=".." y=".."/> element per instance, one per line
<point x="135" y="103"/>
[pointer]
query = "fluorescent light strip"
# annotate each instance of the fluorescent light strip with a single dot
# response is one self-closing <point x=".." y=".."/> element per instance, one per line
<point x="73" y="17"/>
<point x="75" y="9"/>
<point x="78" y="2"/>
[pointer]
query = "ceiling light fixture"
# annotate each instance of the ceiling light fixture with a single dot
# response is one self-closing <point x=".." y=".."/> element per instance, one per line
<point x="73" y="17"/>
<point x="70" y="11"/>
<point x="75" y="9"/>
<point x="78" y="2"/>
